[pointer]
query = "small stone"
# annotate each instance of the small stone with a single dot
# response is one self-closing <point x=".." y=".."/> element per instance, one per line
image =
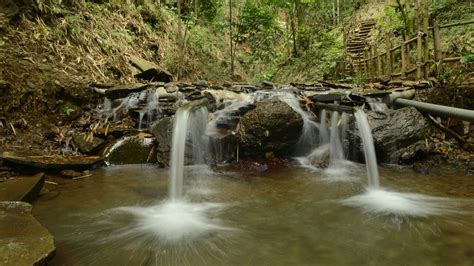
<point x="71" y="173"/>
<point x="30" y="87"/>
<point x="87" y="146"/>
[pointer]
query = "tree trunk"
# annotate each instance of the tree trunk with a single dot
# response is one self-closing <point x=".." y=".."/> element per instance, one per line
<point x="231" y="41"/>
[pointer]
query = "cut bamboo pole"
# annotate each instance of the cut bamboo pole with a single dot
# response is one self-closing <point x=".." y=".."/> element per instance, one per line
<point x="426" y="52"/>
<point x="404" y="59"/>
<point x="367" y="62"/>
<point x="438" y="53"/>
<point x="419" y="56"/>
<point x="389" y="57"/>
<point x="373" y="66"/>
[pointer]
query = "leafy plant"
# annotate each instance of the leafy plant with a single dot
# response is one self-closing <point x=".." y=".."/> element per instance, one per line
<point x="68" y="110"/>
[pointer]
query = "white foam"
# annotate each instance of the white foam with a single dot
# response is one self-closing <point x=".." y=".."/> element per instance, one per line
<point x="383" y="202"/>
<point x="175" y="221"/>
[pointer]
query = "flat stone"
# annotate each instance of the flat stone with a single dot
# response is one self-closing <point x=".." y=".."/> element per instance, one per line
<point x="22" y="188"/>
<point x="23" y="240"/>
<point x="52" y="163"/>
<point x="121" y="91"/>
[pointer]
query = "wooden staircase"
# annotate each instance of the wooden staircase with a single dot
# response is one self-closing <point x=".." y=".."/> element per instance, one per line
<point x="357" y="42"/>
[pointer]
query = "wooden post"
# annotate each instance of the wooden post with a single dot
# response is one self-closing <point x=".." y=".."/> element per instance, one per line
<point x="419" y="56"/>
<point x="366" y="63"/>
<point x="426" y="52"/>
<point x="438" y="53"/>
<point x="373" y="65"/>
<point x="404" y="58"/>
<point x="389" y="57"/>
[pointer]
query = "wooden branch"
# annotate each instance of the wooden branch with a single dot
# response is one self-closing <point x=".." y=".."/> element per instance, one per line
<point x="452" y="59"/>
<point x="447" y="130"/>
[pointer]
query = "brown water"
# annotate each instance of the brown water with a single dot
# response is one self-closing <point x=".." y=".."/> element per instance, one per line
<point x="289" y="217"/>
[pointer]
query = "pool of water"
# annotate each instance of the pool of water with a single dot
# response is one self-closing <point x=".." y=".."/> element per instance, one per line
<point x="287" y="217"/>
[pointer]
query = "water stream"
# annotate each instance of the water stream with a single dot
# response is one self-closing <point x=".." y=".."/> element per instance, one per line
<point x="190" y="215"/>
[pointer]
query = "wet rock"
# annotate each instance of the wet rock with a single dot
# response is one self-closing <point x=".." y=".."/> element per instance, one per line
<point x="150" y="71"/>
<point x="398" y="136"/>
<point x="130" y="150"/>
<point x="23" y="240"/>
<point x="121" y="91"/>
<point x="71" y="173"/>
<point x="163" y="132"/>
<point x="84" y="145"/>
<point x="22" y="188"/>
<point x="201" y="84"/>
<point x="271" y="126"/>
<point x="51" y="163"/>
<point x="268" y="85"/>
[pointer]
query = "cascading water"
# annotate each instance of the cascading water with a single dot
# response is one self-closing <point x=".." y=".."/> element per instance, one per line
<point x="368" y="145"/>
<point x="323" y="128"/>
<point x="378" y="201"/>
<point x="329" y="155"/>
<point x="307" y="140"/>
<point x="177" y="220"/>
<point x="145" y="103"/>
<point x="178" y="146"/>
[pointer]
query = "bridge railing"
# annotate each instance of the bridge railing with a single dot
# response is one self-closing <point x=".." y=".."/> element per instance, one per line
<point x="397" y="62"/>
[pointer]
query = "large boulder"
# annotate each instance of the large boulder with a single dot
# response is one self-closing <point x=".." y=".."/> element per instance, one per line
<point x="23" y="240"/>
<point x="273" y="126"/>
<point x="163" y="132"/>
<point x="130" y="150"/>
<point x="399" y="136"/>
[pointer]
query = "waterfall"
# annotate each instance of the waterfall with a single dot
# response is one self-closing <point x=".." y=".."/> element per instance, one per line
<point x="323" y="128"/>
<point x="336" y="152"/>
<point x="307" y="140"/>
<point x="197" y="139"/>
<point x="178" y="146"/>
<point x="369" y="150"/>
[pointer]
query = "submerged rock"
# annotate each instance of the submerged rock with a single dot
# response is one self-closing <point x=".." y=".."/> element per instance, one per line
<point x="271" y="126"/>
<point x="130" y="150"/>
<point x="398" y="136"/>
<point x="23" y="240"/>
<point x="22" y="188"/>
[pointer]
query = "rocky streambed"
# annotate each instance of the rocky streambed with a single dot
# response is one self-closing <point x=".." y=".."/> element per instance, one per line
<point x="247" y="127"/>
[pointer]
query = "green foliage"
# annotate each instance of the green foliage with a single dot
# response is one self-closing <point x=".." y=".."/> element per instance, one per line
<point x="390" y="20"/>
<point x="208" y="9"/>
<point x="68" y="110"/>
<point x="255" y="20"/>
<point x="467" y="57"/>
<point x="359" y="79"/>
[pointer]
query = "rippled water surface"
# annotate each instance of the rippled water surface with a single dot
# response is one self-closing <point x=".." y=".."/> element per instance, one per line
<point x="292" y="216"/>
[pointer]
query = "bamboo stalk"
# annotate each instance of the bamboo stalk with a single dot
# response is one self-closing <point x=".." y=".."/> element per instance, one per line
<point x="404" y="59"/>
<point x="457" y="24"/>
<point x="389" y="57"/>
<point x="452" y="59"/>
<point x="419" y="57"/>
<point x="426" y="53"/>
<point x="438" y="53"/>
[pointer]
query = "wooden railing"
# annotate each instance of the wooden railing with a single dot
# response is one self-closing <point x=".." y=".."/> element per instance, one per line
<point x="376" y="63"/>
